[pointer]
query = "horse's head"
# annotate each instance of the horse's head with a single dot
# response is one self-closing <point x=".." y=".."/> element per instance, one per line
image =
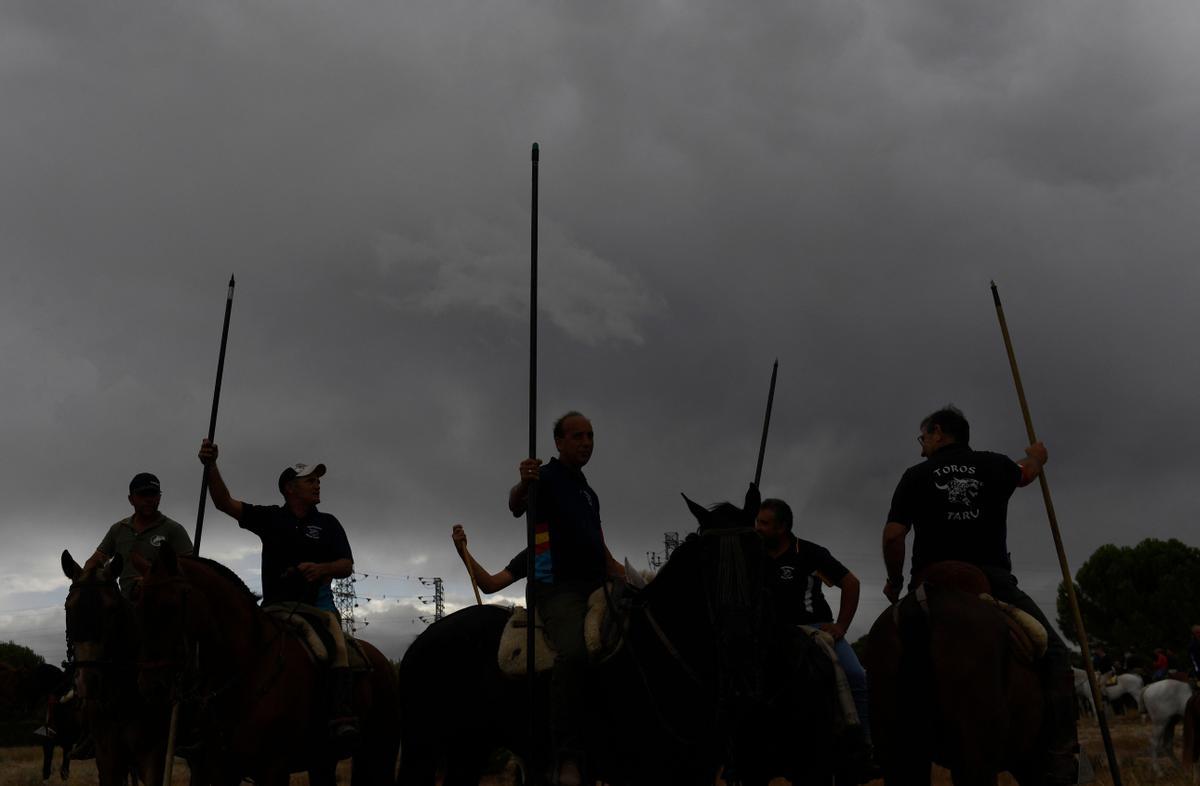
<point x="100" y="625"/>
<point x="163" y="610"/>
<point x="710" y="600"/>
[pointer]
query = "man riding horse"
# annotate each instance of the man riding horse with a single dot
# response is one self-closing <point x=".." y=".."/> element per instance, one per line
<point x="956" y="501"/>
<point x="570" y="561"/>
<point x="799" y="568"/>
<point x="303" y="550"/>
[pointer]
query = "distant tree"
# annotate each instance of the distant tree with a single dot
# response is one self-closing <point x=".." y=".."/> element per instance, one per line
<point x="1136" y="598"/>
<point x="19" y="656"/>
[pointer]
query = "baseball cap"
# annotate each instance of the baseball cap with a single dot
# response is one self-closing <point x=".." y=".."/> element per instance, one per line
<point x="144" y="483"/>
<point x="300" y="471"/>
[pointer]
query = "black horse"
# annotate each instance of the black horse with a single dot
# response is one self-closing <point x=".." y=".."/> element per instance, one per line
<point x="707" y="679"/>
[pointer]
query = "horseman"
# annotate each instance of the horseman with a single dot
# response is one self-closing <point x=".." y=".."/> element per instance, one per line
<point x="570" y="561"/>
<point x="303" y="550"/>
<point x="799" y="568"/>
<point x="145" y="532"/>
<point x="957" y="503"/>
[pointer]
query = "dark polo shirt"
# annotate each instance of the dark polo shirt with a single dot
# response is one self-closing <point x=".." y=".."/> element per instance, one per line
<point x="956" y="501"/>
<point x="568" y="541"/>
<point x="288" y="541"/>
<point x="796" y="577"/>
<point x="123" y="539"/>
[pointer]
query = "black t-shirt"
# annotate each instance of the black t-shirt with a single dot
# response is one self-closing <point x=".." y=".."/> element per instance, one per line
<point x="516" y="565"/>
<point x="957" y="501"/>
<point x="288" y="541"/>
<point x="569" y="544"/>
<point x="795" y="579"/>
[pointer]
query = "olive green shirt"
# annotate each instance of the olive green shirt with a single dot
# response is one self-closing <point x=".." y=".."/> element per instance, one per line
<point x="123" y="539"/>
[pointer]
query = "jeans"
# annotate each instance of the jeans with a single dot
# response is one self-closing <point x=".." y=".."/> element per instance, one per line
<point x="856" y="676"/>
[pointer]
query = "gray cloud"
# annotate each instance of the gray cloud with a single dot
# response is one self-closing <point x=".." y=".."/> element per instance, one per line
<point x="832" y="184"/>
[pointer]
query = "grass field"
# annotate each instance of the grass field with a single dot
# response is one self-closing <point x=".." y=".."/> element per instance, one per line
<point x="23" y="766"/>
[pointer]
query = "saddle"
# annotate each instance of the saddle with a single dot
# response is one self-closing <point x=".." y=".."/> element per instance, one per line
<point x="1027" y="635"/>
<point x="309" y="628"/>
<point x="602" y="632"/>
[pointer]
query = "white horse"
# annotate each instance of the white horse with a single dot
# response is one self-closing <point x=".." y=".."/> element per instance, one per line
<point x="1127" y="684"/>
<point x="1166" y="702"/>
<point x="1083" y="693"/>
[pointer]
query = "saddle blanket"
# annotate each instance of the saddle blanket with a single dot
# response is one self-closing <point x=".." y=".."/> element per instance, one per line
<point x="309" y="627"/>
<point x="601" y="633"/>
<point x="1026" y="632"/>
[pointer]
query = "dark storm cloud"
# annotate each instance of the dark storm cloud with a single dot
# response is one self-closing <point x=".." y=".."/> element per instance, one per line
<point x="832" y="184"/>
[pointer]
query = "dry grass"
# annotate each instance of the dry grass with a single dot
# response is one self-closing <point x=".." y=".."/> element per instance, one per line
<point x="23" y="766"/>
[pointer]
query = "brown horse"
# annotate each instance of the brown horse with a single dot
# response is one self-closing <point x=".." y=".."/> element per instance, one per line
<point x="948" y="687"/>
<point x="130" y="737"/>
<point x="258" y="694"/>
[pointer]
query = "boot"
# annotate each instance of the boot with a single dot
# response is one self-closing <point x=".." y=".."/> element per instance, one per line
<point x="343" y="725"/>
<point x="1062" y="739"/>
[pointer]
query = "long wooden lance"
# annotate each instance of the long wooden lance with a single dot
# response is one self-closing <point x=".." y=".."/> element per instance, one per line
<point x="762" y="445"/>
<point x="1081" y="635"/>
<point x="212" y="418"/>
<point x="535" y="773"/>
<point x="169" y="763"/>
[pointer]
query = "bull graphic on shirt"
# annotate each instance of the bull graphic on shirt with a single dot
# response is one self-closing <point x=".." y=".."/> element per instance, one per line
<point x="960" y="491"/>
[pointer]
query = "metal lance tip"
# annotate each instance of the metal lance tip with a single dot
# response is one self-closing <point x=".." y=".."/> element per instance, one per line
<point x="535" y="151"/>
<point x="995" y="294"/>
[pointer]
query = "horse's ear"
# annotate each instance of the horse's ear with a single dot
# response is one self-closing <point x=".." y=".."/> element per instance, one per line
<point x="70" y="567"/>
<point x="140" y="563"/>
<point x="699" y="511"/>
<point x="753" y="503"/>
<point x="112" y="570"/>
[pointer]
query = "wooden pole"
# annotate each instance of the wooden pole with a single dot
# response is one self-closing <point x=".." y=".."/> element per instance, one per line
<point x="1113" y="768"/>
<point x="762" y="445"/>
<point x="169" y="763"/>
<point x="533" y="773"/>
<point x="466" y="558"/>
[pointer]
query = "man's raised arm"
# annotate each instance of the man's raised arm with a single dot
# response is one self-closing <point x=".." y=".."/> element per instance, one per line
<point x="221" y="497"/>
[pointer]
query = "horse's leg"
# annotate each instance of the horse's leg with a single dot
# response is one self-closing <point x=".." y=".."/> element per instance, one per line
<point x="47" y="757"/>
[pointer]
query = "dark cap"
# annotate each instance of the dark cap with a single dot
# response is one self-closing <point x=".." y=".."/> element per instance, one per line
<point x="145" y="484"/>
<point x="300" y="471"/>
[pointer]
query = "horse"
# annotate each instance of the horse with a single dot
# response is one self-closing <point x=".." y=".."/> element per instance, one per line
<point x="947" y="687"/>
<point x="1166" y="704"/>
<point x="1127" y="684"/>
<point x="705" y="678"/>
<point x="129" y="736"/>
<point x="258" y="693"/>
<point x="64" y="720"/>
<point x="1083" y="693"/>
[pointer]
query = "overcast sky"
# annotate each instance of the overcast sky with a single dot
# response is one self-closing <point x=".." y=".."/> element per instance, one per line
<point x="830" y="183"/>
